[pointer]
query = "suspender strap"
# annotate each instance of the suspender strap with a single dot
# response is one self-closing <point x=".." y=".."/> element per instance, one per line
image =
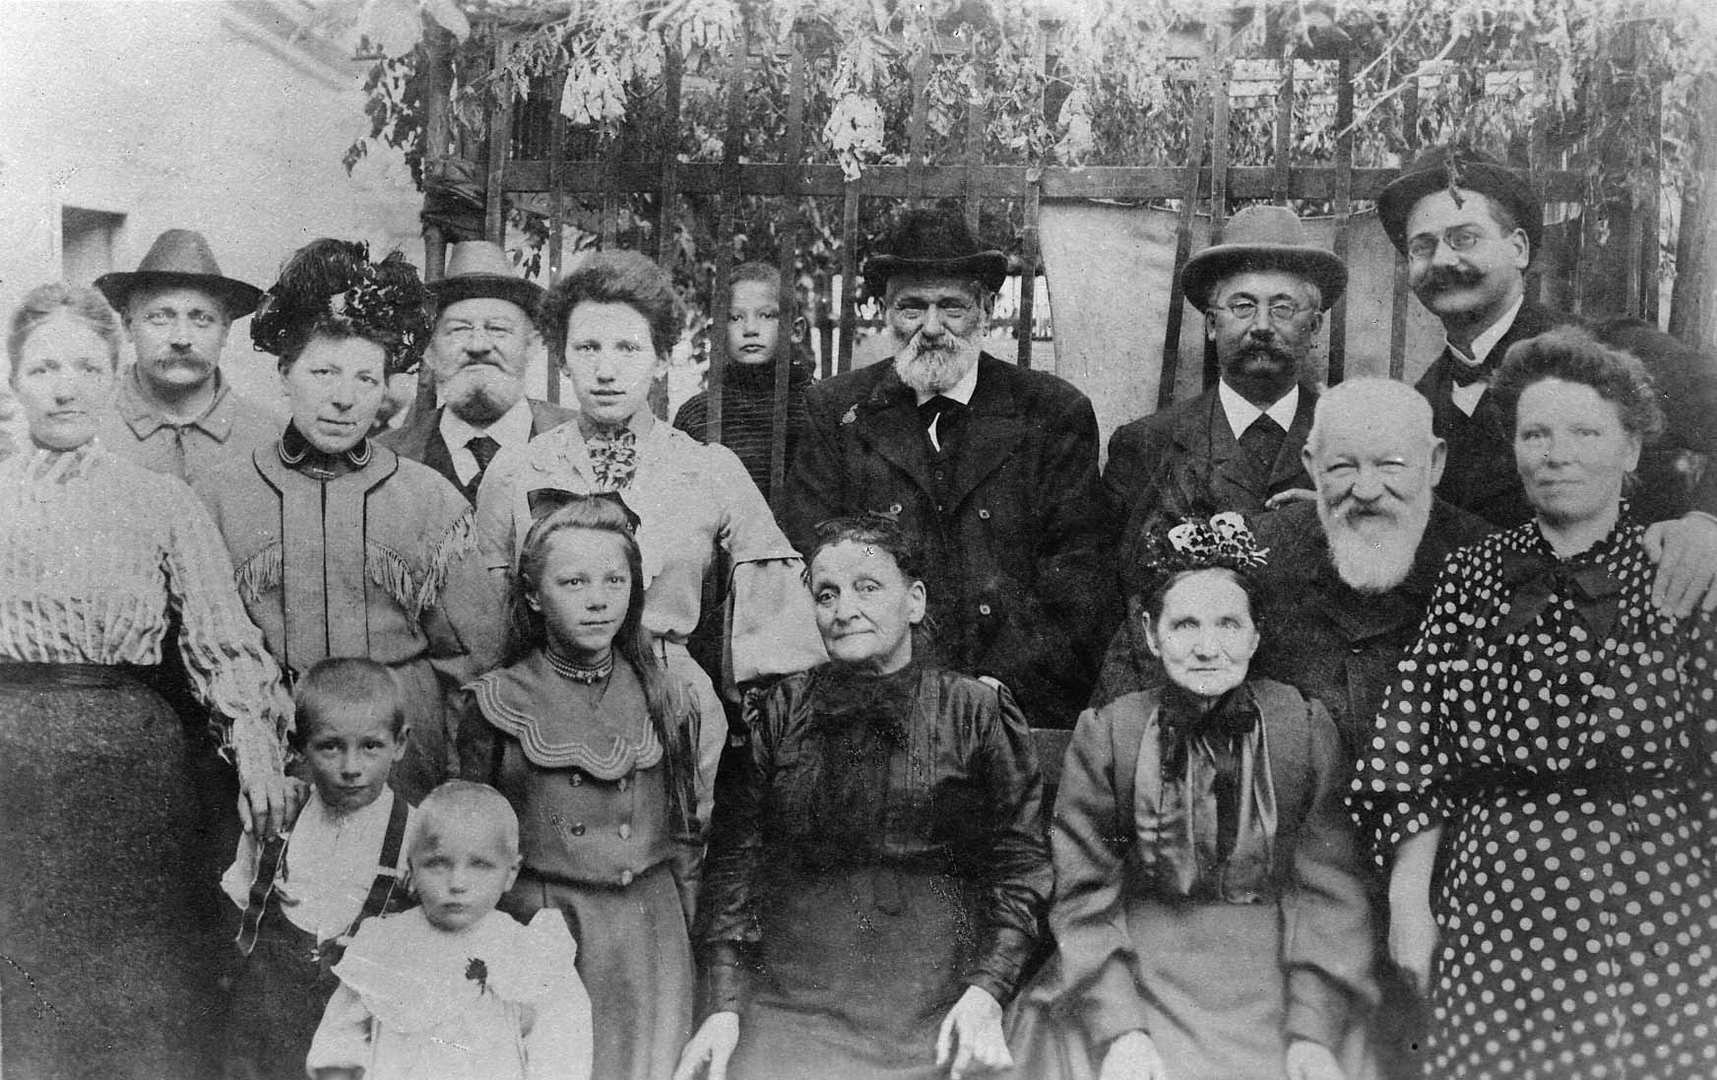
<point x="268" y="866"/>
<point x="387" y="874"/>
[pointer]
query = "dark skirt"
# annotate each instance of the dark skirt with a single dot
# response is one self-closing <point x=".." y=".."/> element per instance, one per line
<point x="859" y="969"/>
<point x="635" y="958"/>
<point x="102" y="907"/>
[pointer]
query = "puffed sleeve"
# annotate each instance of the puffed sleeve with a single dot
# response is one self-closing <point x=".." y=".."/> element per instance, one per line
<point x="1327" y="934"/>
<point x="342" y="1039"/>
<point x="1018" y="858"/>
<point x="1401" y="782"/>
<point x="771" y="629"/>
<point x="1089" y="837"/>
<point x="230" y="669"/>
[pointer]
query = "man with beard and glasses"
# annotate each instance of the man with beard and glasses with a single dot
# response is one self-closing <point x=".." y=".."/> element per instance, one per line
<point x="1470" y="228"/>
<point x="990" y="467"/>
<point x="1263" y="292"/>
<point x="174" y="413"/>
<point x="484" y="333"/>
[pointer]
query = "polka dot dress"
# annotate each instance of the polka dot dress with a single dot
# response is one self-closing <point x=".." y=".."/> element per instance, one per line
<point x="1573" y="779"/>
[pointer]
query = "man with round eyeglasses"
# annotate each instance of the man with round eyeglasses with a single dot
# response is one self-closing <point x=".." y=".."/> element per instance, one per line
<point x="1470" y="228"/>
<point x="478" y="353"/>
<point x="1263" y="291"/>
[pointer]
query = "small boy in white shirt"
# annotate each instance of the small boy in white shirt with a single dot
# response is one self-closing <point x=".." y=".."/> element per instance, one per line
<point x="302" y="895"/>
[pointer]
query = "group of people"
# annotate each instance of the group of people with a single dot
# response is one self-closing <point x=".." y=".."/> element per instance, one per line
<point x="562" y="746"/>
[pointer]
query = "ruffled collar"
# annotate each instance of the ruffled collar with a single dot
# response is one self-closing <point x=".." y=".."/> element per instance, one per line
<point x="846" y="696"/>
<point x="1232" y="715"/>
<point x="608" y="741"/>
<point x="49" y="468"/>
<point x="297" y="453"/>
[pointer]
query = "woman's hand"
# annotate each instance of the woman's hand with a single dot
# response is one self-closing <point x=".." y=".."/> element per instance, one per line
<point x="971" y="1036"/>
<point x="1308" y="1060"/>
<point x="268" y="802"/>
<point x="1133" y="1057"/>
<point x="713" y="1044"/>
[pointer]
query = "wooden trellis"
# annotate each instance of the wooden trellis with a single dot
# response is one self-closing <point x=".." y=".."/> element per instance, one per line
<point x="521" y="159"/>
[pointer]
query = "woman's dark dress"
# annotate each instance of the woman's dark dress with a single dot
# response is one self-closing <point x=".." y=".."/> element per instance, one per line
<point x="1569" y="759"/>
<point x="880" y="849"/>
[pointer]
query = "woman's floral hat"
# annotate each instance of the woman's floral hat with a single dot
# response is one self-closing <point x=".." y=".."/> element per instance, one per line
<point x="1223" y="542"/>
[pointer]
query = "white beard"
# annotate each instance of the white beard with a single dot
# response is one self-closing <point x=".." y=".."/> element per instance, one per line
<point x="1376" y="554"/>
<point x="937" y="370"/>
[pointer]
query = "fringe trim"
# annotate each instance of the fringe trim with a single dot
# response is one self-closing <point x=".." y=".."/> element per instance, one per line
<point x="261" y="573"/>
<point x="388" y="568"/>
<point x="457" y="542"/>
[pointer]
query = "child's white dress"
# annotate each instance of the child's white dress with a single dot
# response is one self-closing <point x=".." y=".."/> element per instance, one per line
<point x="499" y="1001"/>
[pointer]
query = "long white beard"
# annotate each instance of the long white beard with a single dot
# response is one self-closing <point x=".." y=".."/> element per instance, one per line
<point x="1376" y="554"/>
<point x="935" y="371"/>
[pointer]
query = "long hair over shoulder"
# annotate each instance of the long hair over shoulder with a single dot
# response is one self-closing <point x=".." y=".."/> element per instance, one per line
<point x="633" y="644"/>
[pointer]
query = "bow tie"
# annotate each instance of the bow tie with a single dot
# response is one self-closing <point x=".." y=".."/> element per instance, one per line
<point x="1234" y="715"/>
<point x="1533" y="578"/>
<point x="1465" y="374"/>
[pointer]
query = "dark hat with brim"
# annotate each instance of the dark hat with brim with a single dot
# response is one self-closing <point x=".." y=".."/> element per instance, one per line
<point x="934" y="243"/>
<point x="181" y="259"/>
<point x="479" y="269"/>
<point x="1440" y="168"/>
<point x="1263" y="237"/>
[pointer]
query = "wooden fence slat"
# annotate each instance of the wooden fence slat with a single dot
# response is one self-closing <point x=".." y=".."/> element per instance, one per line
<point x="556" y="216"/>
<point x="849" y="277"/>
<point x="1029" y="240"/>
<point x="1284" y="135"/>
<point x="1398" y="298"/>
<point x="915" y="128"/>
<point x="1192" y="181"/>
<point x="787" y="262"/>
<point x="732" y="139"/>
<point x="500" y="142"/>
<point x="1134" y="182"/>
<point x="668" y="199"/>
<point x="1343" y="210"/>
<point x="976" y="120"/>
<point x="1219" y="114"/>
<point x="825" y="324"/>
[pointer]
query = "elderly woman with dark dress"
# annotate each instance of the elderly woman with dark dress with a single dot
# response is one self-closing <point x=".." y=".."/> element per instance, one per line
<point x="878" y="867"/>
<point x="1541" y="777"/>
<point x="1209" y="910"/>
<point x="103" y="970"/>
<point x="341" y="547"/>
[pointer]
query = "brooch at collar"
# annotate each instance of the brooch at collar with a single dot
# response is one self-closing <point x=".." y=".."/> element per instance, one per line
<point x="850" y="416"/>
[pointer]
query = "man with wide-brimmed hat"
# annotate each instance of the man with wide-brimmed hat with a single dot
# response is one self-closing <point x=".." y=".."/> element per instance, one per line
<point x="1263" y="291"/>
<point x="1470" y="227"/>
<point x="484" y="334"/>
<point x="175" y="413"/>
<point x="992" y="468"/>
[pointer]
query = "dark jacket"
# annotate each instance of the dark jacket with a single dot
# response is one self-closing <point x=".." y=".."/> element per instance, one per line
<point x="1015" y="557"/>
<point x="420" y="439"/>
<point x="1481" y="475"/>
<point x="1319" y="635"/>
<point x="1185" y="462"/>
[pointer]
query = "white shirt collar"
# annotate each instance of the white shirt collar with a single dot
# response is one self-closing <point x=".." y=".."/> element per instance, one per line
<point x="512" y="429"/>
<point x="960" y="391"/>
<point x="1485" y="342"/>
<point x="1241" y="412"/>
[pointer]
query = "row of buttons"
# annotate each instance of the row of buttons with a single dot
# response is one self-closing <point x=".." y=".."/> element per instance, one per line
<point x="983" y="512"/>
<point x="577" y="780"/>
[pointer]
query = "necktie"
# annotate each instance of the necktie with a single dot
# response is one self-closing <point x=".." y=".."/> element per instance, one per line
<point x="1262" y="441"/>
<point x="484" y="449"/>
<point x="939" y="415"/>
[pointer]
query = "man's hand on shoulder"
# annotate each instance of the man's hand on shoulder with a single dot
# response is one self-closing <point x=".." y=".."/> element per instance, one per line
<point x="1685" y="551"/>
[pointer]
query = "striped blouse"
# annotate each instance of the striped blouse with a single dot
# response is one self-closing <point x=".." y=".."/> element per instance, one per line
<point x="96" y="552"/>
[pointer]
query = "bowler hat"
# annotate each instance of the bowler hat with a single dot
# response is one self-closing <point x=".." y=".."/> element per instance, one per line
<point x="937" y="243"/>
<point x="1444" y="166"/>
<point x="478" y="268"/>
<point x="180" y="258"/>
<point x="1263" y="237"/>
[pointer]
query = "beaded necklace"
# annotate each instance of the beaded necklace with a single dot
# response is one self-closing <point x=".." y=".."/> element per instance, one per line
<point x="579" y="673"/>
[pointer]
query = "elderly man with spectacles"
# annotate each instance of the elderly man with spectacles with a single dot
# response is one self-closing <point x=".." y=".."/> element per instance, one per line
<point x="1263" y="292"/>
<point x="990" y="467"/>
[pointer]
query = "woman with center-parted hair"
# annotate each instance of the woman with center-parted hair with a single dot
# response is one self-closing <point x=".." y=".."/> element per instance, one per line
<point x="611" y="322"/>
<point x="103" y="969"/>
<point x="341" y="547"/>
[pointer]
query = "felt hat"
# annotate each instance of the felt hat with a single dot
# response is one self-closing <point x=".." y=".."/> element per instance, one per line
<point x="1441" y="166"/>
<point x="934" y="242"/>
<point x="477" y="268"/>
<point x="180" y="258"/>
<point x="1263" y="237"/>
